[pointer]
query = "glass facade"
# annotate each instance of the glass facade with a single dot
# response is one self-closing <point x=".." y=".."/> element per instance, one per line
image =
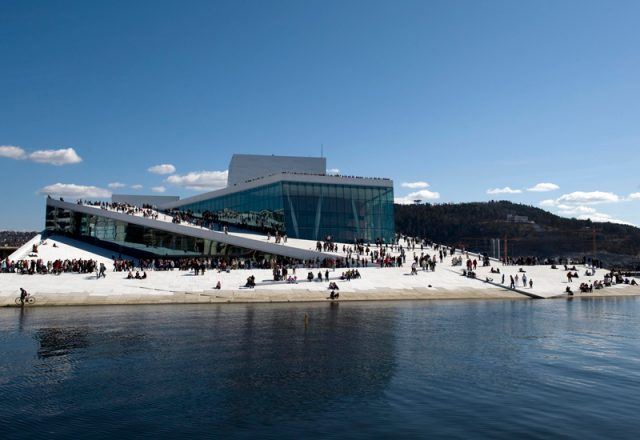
<point x="311" y="211"/>
<point x="136" y="240"/>
<point x="256" y="208"/>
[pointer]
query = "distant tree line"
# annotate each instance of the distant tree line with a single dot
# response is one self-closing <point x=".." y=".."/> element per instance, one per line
<point x="15" y="238"/>
<point x="529" y="230"/>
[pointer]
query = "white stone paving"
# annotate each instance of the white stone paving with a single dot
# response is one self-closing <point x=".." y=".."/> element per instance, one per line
<point x="375" y="281"/>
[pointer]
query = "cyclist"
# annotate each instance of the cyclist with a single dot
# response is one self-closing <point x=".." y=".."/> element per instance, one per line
<point x="23" y="296"/>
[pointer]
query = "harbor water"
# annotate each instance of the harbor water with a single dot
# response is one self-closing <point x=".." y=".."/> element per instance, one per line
<point x="461" y="369"/>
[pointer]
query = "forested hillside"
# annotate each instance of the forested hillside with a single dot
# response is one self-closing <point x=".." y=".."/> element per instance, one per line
<point x="473" y="225"/>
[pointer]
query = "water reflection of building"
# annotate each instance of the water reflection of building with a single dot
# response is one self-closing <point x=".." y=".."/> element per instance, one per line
<point x="344" y="353"/>
<point x="220" y="365"/>
<point x="61" y="341"/>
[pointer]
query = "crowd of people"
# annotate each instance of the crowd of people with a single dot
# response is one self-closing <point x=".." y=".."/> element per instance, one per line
<point x="349" y="275"/>
<point x="225" y="264"/>
<point x="526" y="261"/>
<point x="360" y="254"/>
<point x="123" y="265"/>
<point x="514" y="281"/>
<point x="327" y="245"/>
<point x="277" y="237"/>
<point x="425" y="262"/>
<point x="146" y="211"/>
<point x="537" y="261"/>
<point x="54" y="267"/>
<point x="426" y="256"/>
<point x="137" y="276"/>
<point x="264" y="222"/>
<point x="284" y="272"/>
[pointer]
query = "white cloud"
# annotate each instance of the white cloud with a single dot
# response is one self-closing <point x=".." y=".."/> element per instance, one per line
<point x="165" y="168"/>
<point x="158" y="189"/>
<point x="422" y="195"/>
<point x="200" y="180"/>
<point x="333" y="171"/>
<point x="415" y="185"/>
<point x="572" y="211"/>
<point x="12" y="152"/>
<point x="588" y="198"/>
<point x="425" y="194"/>
<point x="634" y="196"/>
<point x="579" y="204"/>
<point x="505" y="190"/>
<point x="543" y="187"/>
<point x="114" y="185"/>
<point x="579" y="199"/>
<point x="63" y="156"/>
<point x="603" y="218"/>
<point x="138" y="186"/>
<point x="75" y="191"/>
<point x="589" y="213"/>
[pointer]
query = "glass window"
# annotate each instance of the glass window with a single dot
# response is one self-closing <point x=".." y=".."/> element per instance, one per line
<point x="271" y="207"/>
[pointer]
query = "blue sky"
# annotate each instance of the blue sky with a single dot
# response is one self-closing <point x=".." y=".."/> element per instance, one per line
<point x="467" y="97"/>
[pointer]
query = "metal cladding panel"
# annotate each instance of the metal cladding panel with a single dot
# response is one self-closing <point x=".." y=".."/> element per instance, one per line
<point x="244" y="167"/>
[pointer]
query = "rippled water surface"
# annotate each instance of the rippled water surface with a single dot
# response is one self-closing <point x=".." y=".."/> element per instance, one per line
<point x="500" y="369"/>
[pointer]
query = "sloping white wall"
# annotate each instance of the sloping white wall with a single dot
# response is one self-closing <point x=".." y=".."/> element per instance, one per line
<point x="234" y="240"/>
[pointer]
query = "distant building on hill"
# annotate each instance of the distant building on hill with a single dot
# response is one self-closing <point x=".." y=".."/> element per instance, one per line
<point x="518" y="218"/>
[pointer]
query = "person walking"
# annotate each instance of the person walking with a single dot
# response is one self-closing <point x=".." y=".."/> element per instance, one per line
<point x="103" y="270"/>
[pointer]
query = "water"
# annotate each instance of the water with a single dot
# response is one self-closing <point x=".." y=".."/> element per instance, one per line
<point x="465" y="369"/>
